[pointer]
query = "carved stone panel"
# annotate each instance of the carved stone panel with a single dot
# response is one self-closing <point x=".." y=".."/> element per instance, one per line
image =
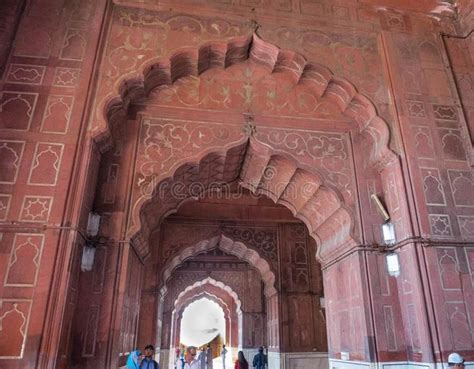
<point x="11" y="153"/>
<point x="25" y="260"/>
<point x="14" y="321"/>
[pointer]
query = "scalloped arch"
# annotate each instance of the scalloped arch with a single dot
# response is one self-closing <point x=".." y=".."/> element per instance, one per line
<point x="133" y="87"/>
<point x="192" y="61"/>
<point x="202" y="295"/>
<point x="225" y="244"/>
<point x="302" y="190"/>
<point x="231" y="307"/>
<point x="211" y="281"/>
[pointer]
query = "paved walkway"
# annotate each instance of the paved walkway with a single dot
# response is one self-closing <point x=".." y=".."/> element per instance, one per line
<point x="217" y="363"/>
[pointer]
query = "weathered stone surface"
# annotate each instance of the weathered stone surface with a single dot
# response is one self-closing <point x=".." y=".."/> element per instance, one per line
<point x="266" y="126"/>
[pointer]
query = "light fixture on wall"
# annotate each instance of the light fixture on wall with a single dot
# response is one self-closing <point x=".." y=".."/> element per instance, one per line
<point x="393" y="264"/>
<point x="88" y="250"/>
<point x="389" y="238"/>
<point x="93" y="224"/>
<point x="88" y="255"/>
<point x="388" y="233"/>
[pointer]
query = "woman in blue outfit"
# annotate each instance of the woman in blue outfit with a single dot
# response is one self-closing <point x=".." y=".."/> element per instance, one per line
<point x="133" y="361"/>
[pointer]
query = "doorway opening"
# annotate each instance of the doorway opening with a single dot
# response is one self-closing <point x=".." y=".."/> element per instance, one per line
<point x="202" y="323"/>
<point x="228" y="253"/>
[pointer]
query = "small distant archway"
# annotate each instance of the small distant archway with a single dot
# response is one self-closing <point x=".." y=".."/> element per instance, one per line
<point x="219" y="293"/>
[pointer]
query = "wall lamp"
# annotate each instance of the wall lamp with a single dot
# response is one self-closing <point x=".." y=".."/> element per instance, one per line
<point x="91" y="241"/>
<point x="389" y="239"/>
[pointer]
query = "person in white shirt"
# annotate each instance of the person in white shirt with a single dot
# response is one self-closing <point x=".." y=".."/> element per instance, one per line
<point x="223" y="355"/>
<point x="190" y="360"/>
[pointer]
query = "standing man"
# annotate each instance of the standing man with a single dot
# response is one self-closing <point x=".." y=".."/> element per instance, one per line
<point x="209" y="357"/>
<point x="455" y="361"/>
<point x="223" y="355"/>
<point x="202" y="358"/>
<point x="148" y="362"/>
<point x="260" y="360"/>
<point x="190" y="361"/>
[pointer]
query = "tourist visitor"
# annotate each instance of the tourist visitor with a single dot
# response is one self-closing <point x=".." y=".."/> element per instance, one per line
<point x="241" y="362"/>
<point x="223" y="355"/>
<point x="177" y="353"/>
<point x="209" y="357"/>
<point x="259" y="360"/>
<point x="455" y="361"/>
<point x="190" y="361"/>
<point x="202" y="358"/>
<point x="148" y="362"/>
<point x="133" y="360"/>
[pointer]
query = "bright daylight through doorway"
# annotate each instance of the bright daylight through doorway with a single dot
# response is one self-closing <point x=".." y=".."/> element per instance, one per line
<point x="202" y="321"/>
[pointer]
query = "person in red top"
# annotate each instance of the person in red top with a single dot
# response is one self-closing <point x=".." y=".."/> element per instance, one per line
<point x="241" y="362"/>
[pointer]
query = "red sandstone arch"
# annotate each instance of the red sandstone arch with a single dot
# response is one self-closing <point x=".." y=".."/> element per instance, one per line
<point x="231" y="247"/>
<point x="264" y="171"/>
<point x="231" y="316"/>
<point x="231" y="307"/>
<point x="211" y="281"/>
<point x="178" y="311"/>
<point x="194" y="61"/>
<point x="332" y="226"/>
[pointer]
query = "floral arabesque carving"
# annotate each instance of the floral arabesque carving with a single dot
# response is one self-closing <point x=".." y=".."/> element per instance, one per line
<point x="262" y="239"/>
<point x="326" y="151"/>
<point x="165" y="142"/>
<point x="176" y="237"/>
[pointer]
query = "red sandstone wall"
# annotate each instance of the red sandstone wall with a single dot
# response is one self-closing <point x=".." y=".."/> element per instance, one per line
<point x="303" y="325"/>
<point x="43" y="94"/>
<point x="396" y="58"/>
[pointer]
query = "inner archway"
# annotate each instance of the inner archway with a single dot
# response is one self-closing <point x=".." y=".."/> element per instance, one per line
<point x="222" y="295"/>
<point x="206" y="238"/>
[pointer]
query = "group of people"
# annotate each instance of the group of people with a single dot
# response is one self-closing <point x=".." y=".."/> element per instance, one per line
<point x="205" y="359"/>
<point x="145" y="360"/>
<point x="260" y="360"/>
